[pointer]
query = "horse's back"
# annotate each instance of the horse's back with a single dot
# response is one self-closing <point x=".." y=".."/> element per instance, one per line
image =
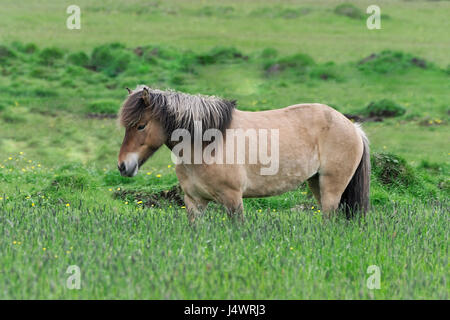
<point x="312" y="137"/>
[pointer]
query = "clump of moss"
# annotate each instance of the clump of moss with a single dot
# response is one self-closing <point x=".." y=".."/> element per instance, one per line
<point x="349" y="10"/>
<point x="392" y="170"/>
<point x="389" y="61"/>
<point x="49" y="56"/>
<point x="384" y="108"/>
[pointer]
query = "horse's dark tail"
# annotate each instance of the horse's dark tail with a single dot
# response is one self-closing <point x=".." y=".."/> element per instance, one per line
<point x="356" y="196"/>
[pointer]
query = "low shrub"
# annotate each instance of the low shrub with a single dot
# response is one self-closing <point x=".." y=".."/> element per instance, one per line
<point x="389" y="61"/>
<point x="80" y="59"/>
<point x="220" y="55"/>
<point x="392" y="170"/>
<point x="49" y="56"/>
<point x="384" y="108"/>
<point x="111" y="59"/>
<point x="299" y="63"/>
<point x="6" y="53"/>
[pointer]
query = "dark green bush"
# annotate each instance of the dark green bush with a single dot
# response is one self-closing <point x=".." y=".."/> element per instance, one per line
<point x="219" y="55"/>
<point x="349" y="10"/>
<point x="384" y="108"/>
<point x="80" y="59"/>
<point x="28" y="48"/>
<point x="112" y="59"/>
<point x="389" y="61"/>
<point x="49" y="56"/>
<point x="299" y="63"/>
<point x="325" y="71"/>
<point x="6" y="53"/>
<point x="269" y="53"/>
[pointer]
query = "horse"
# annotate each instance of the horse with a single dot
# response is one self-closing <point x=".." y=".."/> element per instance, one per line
<point x="315" y="143"/>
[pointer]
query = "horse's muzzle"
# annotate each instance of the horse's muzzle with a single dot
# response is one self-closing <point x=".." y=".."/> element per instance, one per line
<point x="126" y="171"/>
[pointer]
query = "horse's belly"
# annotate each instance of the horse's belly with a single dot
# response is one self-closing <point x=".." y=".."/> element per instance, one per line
<point x="270" y="185"/>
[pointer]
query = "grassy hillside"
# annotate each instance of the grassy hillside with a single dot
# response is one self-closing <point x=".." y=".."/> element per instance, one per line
<point x="63" y="202"/>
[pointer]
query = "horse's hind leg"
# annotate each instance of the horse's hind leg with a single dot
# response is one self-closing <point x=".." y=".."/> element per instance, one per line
<point x="331" y="189"/>
<point x="313" y="184"/>
<point x="232" y="201"/>
<point x="194" y="207"/>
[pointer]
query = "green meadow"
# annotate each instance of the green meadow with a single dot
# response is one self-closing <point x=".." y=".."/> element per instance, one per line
<point x="63" y="201"/>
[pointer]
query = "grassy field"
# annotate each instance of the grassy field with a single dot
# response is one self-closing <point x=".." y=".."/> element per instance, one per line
<point x="63" y="202"/>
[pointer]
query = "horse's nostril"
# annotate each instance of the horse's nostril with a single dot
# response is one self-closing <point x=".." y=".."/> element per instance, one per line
<point x="121" y="167"/>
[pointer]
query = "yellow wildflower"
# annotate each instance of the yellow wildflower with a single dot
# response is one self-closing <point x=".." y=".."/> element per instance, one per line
<point x="158" y="176"/>
<point x="67" y="204"/>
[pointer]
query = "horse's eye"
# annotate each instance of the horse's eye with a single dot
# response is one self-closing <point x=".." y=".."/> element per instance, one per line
<point x="141" y="127"/>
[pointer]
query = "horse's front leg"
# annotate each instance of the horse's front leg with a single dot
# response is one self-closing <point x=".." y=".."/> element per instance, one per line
<point x="232" y="201"/>
<point x="194" y="207"/>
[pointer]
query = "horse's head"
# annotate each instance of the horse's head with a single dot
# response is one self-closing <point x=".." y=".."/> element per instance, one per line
<point x="144" y="133"/>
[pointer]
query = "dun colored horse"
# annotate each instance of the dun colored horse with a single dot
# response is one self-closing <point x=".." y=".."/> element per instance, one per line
<point x="314" y="143"/>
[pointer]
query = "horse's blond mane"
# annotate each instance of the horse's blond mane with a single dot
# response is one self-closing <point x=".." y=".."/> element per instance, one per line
<point x="177" y="110"/>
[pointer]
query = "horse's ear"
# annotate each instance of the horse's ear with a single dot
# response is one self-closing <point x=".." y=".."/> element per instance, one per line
<point x="146" y="96"/>
<point x="129" y="90"/>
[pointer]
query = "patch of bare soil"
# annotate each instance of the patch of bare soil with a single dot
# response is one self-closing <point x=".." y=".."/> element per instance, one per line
<point x="159" y="199"/>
